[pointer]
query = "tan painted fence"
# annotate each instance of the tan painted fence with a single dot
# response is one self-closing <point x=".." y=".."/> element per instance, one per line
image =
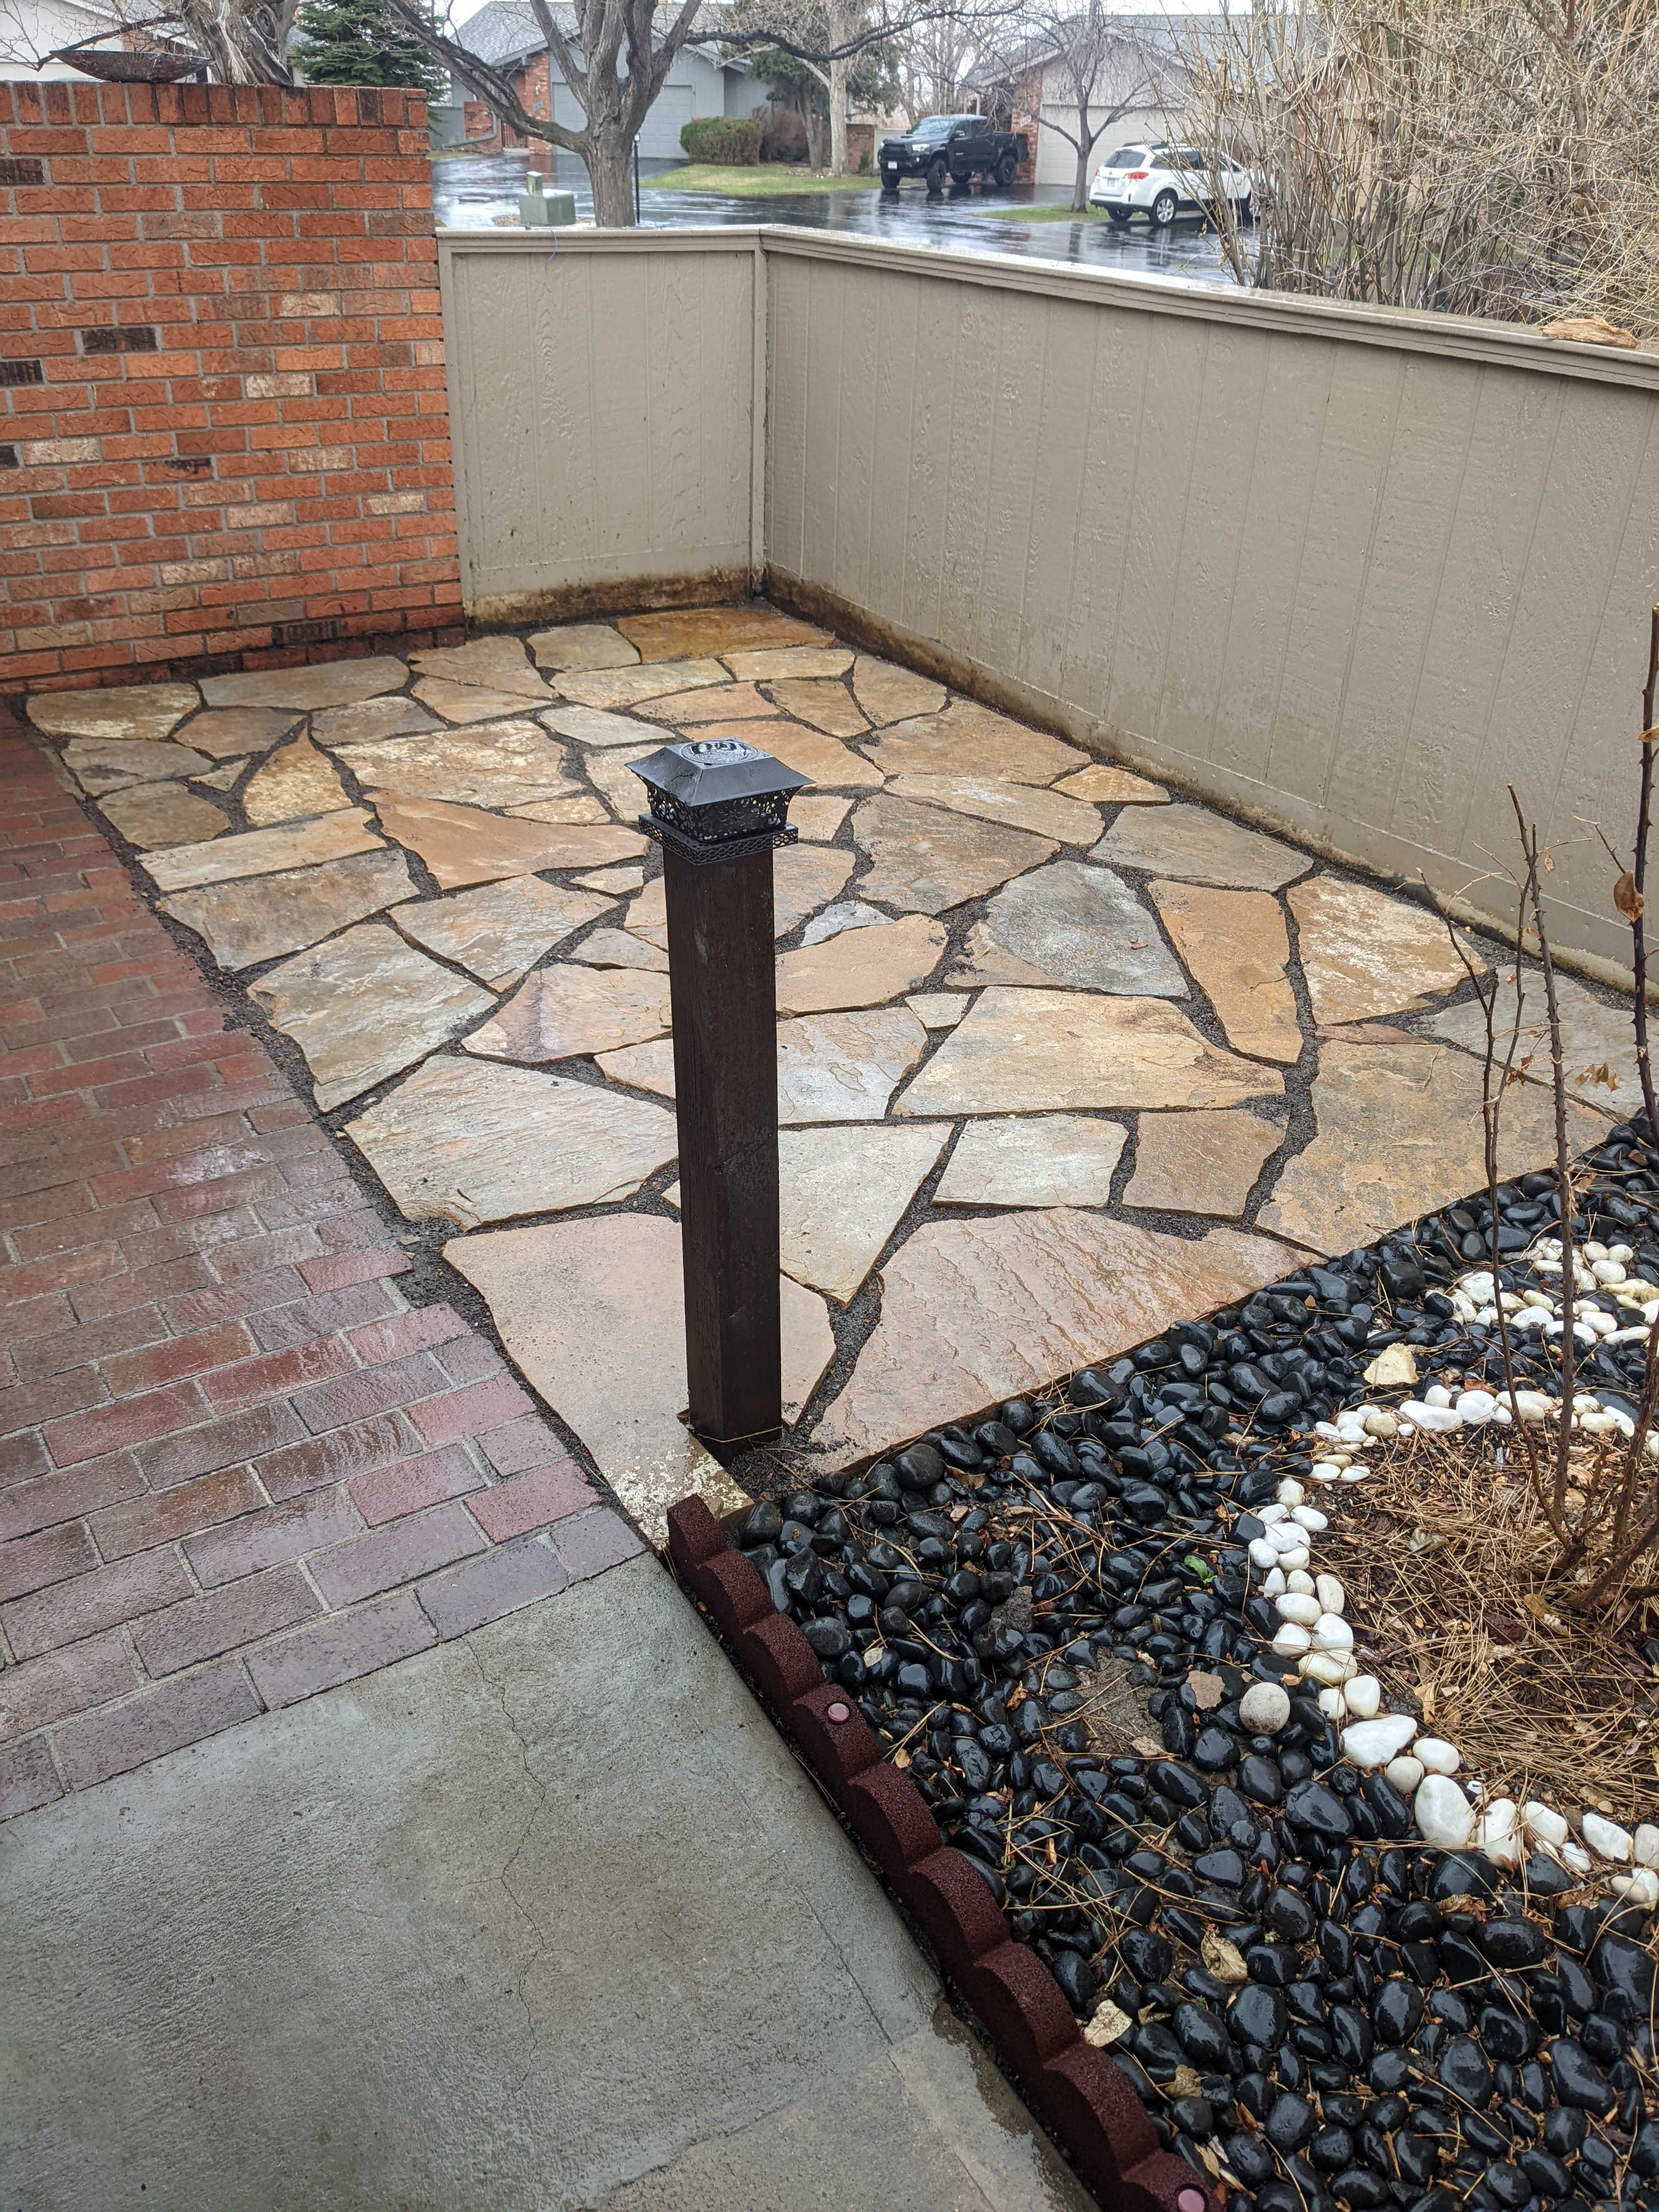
<point x="1350" y="573"/>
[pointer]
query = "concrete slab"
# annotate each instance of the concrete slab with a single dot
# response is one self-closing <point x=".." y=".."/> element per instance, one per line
<point x="544" y="1917"/>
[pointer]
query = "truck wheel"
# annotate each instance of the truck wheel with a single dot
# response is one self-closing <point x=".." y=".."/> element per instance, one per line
<point x="1164" y="208"/>
<point x="1007" y="168"/>
<point x="936" y="174"/>
<point x="890" y="188"/>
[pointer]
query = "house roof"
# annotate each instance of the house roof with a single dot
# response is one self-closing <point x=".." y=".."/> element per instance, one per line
<point x="507" y="31"/>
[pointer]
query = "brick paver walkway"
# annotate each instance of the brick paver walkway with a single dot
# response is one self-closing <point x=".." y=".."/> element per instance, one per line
<point x="237" y="1465"/>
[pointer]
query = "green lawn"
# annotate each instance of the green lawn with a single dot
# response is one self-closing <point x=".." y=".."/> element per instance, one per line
<point x="764" y="179"/>
<point x="1038" y="213"/>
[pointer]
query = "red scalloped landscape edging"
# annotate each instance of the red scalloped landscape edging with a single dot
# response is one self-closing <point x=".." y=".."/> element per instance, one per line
<point x="1085" y="2098"/>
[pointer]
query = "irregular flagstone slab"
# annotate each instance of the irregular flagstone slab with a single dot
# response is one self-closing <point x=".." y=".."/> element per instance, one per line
<point x="500" y="929"/>
<point x="296" y="780"/>
<point x="817" y="819"/>
<point x="822" y="703"/>
<point x="613" y="773"/>
<point x="968" y="739"/>
<point x="471" y="1143"/>
<point x="329" y="683"/>
<point x="1024" y="1052"/>
<point x="370" y="719"/>
<point x="265" y="851"/>
<point x="631" y="687"/>
<point x="1598" y="1042"/>
<point x="100" y="764"/>
<point x="494" y="664"/>
<point x="770" y="663"/>
<point x="925" y="860"/>
<point x="1079" y="926"/>
<point x="225" y="778"/>
<point x="683" y="635"/>
<point x="615" y="883"/>
<point x="1238" y="951"/>
<point x="591" y="726"/>
<point x="463" y="702"/>
<point x="831" y="1067"/>
<point x="808" y="752"/>
<point x="1399" y="1133"/>
<point x="1364" y="953"/>
<point x="1027" y="806"/>
<point x="592" y="1314"/>
<point x="565" y="1013"/>
<point x="246" y="922"/>
<point x="462" y="845"/>
<point x="583" y="645"/>
<point x="501" y="765"/>
<point x="841" y="1193"/>
<point x="859" y="967"/>
<point x="939" y="1009"/>
<point x="364" y="1006"/>
<point x="716" y="702"/>
<point x="802" y="880"/>
<point x="1106" y="786"/>
<point x="844" y="913"/>
<point x="581" y="808"/>
<point x="888" y="694"/>
<point x="614" y="948"/>
<point x="1046" y="1159"/>
<point x="126" y="713"/>
<point x="974" y="1312"/>
<point x="1199" y="847"/>
<point x="1200" y="1163"/>
<point x="151" y="814"/>
<point x="225" y="731"/>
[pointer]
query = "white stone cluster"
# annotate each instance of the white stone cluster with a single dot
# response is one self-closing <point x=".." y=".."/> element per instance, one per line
<point x="1315" y="1634"/>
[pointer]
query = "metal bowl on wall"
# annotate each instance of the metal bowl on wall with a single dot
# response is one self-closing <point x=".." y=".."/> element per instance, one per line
<point x="115" y="65"/>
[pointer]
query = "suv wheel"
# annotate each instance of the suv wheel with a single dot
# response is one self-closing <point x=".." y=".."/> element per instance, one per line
<point x="936" y="174"/>
<point x="1164" y="208"/>
<point x="1007" y="168"/>
<point x="1118" y="215"/>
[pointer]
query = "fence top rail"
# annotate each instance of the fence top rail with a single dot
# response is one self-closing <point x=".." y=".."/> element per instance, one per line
<point x="1465" y="337"/>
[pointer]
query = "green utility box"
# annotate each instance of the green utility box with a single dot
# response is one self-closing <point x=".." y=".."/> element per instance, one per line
<point x="537" y="209"/>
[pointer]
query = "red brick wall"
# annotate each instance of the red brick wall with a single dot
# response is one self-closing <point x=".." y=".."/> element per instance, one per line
<point x="224" y="428"/>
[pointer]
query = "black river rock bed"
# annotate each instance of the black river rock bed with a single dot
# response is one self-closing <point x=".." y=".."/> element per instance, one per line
<point x="1048" y="1619"/>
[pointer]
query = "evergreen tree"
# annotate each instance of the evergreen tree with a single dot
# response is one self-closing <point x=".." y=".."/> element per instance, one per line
<point x="357" y="42"/>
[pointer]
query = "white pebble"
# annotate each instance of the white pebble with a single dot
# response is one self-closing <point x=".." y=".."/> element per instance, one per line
<point x="1297" y="1557"/>
<point x="1364" y="1697"/>
<point x="1335" y="1706"/>
<point x="1405" y="1773"/>
<point x="1575" y="1857"/>
<point x="1269" y="1514"/>
<point x="1355" y="1473"/>
<point x="1290" y="1493"/>
<point x="1322" y="1470"/>
<point x="1332" y="1633"/>
<point x="1294" y="1606"/>
<point x="1275" y="1585"/>
<point x="1622" y="1253"/>
<point x="1381" y="1421"/>
<point x="1596" y="1425"/>
<point x="1641" y="1887"/>
<point x="1438" y="1420"/>
<point x="1436" y="1394"/>
<point x="1291" y="1639"/>
<point x="1300" y="1580"/>
<point x="1607" y="1271"/>
<point x="1592" y="1251"/>
<point x="1331" y="1595"/>
<point x="1374" y="1742"/>
<point x="1309" y="1517"/>
<point x="1645" y="1846"/>
<point x="1476" y="1406"/>
<point x="1533" y="1405"/>
<point x="1497" y="1822"/>
<point x="1605" y="1837"/>
<point x="1543" y="1824"/>
<point x="1438" y="1757"/>
<point x="1442" y="1813"/>
<point x="1264" y="1708"/>
<point x="1262" y="1553"/>
<point x="1334" y="1668"/>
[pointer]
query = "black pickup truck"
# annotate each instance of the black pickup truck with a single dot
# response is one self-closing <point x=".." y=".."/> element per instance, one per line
<point x="953" y="146"/>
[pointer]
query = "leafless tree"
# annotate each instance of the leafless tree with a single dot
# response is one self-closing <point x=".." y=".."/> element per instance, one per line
<point x="1102" y="70"/>
<point x="1485" y="156"/>
<point x="945" y="55"/>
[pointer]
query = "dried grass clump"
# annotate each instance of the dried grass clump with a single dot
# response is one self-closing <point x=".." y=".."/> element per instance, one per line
<point x="1447" y="1557"/>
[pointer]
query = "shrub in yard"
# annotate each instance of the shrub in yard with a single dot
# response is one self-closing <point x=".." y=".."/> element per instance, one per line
<point x="726" y="141"/>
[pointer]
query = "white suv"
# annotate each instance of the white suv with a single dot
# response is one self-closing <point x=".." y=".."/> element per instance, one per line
<point x="1161" y="181"/>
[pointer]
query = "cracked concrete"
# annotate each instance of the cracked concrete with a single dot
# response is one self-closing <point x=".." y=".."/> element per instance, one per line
<point x="546" y="1919"/>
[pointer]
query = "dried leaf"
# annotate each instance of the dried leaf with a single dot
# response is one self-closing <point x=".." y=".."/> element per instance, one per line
<point x="1109" y="2025"/>
<point x="1627" y="899"/>
<point x="1224" y="1959"/>
<point x="1187" y="2082"/>
<point x="1207" y="1690"/>
<point x="901" y="1758"/>
<point x="1142" y="1746"/>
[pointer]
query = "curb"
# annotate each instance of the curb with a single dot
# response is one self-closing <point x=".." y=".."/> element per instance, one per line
<point x="1082" y="2096"/>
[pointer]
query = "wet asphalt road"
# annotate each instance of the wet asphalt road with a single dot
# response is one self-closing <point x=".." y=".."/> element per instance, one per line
<point x="470" y="191"/>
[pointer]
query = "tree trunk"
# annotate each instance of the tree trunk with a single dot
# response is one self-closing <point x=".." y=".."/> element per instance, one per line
<point x="1081" y="184"/>
<point x="609" y="159"/>
<point x="839" y="74"/>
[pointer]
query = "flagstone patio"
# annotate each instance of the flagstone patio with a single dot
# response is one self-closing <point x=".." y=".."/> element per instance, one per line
<point x="1060" y="1057"/>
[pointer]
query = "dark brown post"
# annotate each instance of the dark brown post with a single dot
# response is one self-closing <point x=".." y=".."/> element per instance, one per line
<point x="718" y="808"/>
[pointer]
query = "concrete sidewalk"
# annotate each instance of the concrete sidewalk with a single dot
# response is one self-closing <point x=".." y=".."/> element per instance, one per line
<point x="545" y="1916"/>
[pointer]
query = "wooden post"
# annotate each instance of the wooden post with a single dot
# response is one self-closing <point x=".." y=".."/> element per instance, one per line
<point x="718" y="809"/>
